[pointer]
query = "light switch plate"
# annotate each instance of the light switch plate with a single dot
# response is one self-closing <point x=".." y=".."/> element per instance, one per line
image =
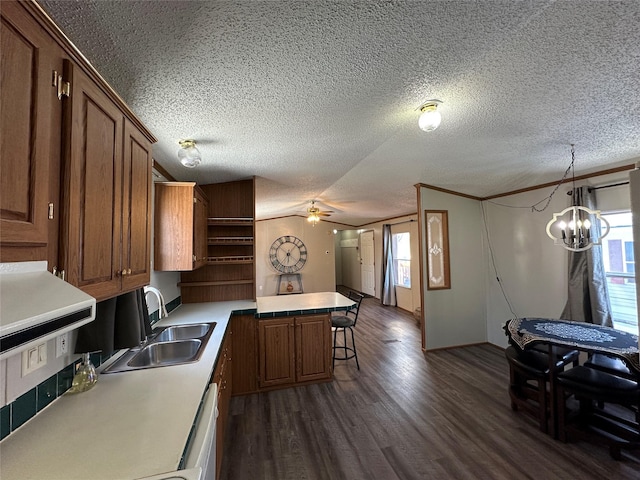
<point x="33" y="358"/>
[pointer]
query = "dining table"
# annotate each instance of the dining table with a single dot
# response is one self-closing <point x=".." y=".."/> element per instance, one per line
<point x="525" y="333"/>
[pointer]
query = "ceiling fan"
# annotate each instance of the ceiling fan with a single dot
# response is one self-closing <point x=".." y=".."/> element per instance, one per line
<point x="315" y="213"/>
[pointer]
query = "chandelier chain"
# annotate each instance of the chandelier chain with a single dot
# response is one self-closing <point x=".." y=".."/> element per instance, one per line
<point x="547" y="200"/>
<point x="534" y="207"/>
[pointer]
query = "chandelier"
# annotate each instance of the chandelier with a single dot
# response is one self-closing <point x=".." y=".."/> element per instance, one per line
<point x="572" y="228"/>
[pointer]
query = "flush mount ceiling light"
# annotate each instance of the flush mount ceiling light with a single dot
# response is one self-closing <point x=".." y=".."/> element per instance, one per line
<point x="430" y="117"/>
<point x="572" y="227"/>
<point x="188" y="154"/>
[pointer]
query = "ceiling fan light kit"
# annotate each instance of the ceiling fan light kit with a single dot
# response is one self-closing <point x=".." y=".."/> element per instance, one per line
<point x="314" y="214"/>
<point x="188" y="154"/>
<point x="430" y="117"/>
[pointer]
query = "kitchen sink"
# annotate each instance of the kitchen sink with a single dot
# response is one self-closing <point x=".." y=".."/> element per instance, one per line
<point x="183" y="332"/>
<point x="174" y="345"/>
<point x="167" y="353"/>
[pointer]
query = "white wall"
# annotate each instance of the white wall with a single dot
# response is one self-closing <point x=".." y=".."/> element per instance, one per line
<point x="318" y="274"/>
<point x="457" y="316"/>
<point x="532" y="269"/>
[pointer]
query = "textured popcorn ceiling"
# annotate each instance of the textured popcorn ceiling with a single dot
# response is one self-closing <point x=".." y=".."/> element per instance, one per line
<point x="319" y="99"/>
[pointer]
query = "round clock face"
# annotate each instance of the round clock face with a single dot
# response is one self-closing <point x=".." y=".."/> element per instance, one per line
<point x="288" y="254"/>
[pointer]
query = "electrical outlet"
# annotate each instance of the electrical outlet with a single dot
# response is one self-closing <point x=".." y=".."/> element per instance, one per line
<point x="62" y="344"/>
<point x="33" y="358"/>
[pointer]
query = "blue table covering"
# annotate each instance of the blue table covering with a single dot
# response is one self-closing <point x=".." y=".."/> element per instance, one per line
<point x="583" y="336"/>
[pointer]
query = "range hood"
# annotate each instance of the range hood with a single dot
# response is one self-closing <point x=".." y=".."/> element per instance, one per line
<point x="36" y="306"/>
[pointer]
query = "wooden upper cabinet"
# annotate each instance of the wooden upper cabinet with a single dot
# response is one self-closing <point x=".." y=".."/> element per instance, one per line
<point x="136" y="208"/>
<point x="107" y="193"/>
<point x="75" y="187"/>
<point x="31" y="114"/>
<point x="92" y="227"/>
<point x="180" y="226"/>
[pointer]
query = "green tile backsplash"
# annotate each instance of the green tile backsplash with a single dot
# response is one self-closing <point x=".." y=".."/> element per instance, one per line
<point x="26" y="406"/>
<point x="47" y="392"/>
<point x="5" y="421"/>
<point x="23" y="408"/>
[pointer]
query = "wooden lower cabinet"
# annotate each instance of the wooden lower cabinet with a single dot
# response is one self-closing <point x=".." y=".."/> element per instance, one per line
<point x="294" y="350"/>
<point x="223" y="376"/>
<point x="245" y="354"/>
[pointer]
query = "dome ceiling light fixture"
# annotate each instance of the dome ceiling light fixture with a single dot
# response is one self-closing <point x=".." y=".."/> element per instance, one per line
<point x="430" y="117"/>
<point x="188" y="154"/>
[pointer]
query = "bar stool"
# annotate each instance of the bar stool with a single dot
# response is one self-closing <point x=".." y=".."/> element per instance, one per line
<point x="344" y="322"/>
<point x="529" y="376"/>
<point x="591" y="386"/>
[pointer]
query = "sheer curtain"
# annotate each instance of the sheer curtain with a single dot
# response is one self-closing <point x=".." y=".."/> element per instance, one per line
<point x="588" y="296"/>
<point x="388" y="272"/>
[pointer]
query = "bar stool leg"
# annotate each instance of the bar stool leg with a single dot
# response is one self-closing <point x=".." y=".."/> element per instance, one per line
<point x="333" y="350"/>
<point x="353" y="344"/>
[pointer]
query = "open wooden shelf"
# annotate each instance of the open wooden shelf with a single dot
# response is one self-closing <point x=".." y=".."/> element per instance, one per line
<point x="235" y="221"/>
<point x="212" y="284"/>
<point x="229" y="270"/>
<point x="235" y="259"/>
<point x="230" y="240"/>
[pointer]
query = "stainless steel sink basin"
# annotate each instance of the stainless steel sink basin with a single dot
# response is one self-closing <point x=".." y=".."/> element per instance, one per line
<point x="183" y="332"/>
<point x="167" y="353"/>
<point x="174" y="345"/>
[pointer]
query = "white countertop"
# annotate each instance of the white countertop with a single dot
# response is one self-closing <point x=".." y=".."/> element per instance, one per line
<point x="130" y="425"/>
<point x="320" y="302"/>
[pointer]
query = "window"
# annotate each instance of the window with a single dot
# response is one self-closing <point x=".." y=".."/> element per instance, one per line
<point x="619" y="266"/>
<point x="402" y="258"/>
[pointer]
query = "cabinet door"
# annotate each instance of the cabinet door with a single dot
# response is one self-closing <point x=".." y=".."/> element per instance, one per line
<point x="30" y="126"/>
<point x="277" y="353"/>
<point x="174" y="226"/>
<point x="245" y="354"/>
<point x="91" y="227"/>
<point x="313" y="348"/>
<point x="136" y="209"/>
<point x="224" y="398"/>
<point x="200" y="214"/>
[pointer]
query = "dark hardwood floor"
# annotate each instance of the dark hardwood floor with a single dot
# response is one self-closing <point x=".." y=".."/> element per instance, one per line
<point x="405" y="415"/>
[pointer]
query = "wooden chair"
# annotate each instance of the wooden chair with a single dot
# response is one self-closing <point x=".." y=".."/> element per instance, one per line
<point x="529" y="379"/>
<point x="344" y="322"/>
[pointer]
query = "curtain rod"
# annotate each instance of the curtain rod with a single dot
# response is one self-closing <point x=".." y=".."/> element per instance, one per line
<point x="608" y="186"/>
<point x="603" y="186"/>
<point x="400" y="223"/>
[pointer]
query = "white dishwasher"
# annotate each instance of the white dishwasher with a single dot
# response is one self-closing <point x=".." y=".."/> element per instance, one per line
<point x="202" y="452"/>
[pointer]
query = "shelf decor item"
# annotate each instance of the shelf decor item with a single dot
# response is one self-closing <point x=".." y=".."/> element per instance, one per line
<point x="289" y="283"/>
<point x="437" y="226"/>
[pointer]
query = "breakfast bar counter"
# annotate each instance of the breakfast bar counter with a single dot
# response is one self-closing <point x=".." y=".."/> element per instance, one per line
<point x="302" y="304"/>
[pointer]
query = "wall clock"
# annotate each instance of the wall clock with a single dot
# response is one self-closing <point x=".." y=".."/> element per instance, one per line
<point x="288" y="254"/>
